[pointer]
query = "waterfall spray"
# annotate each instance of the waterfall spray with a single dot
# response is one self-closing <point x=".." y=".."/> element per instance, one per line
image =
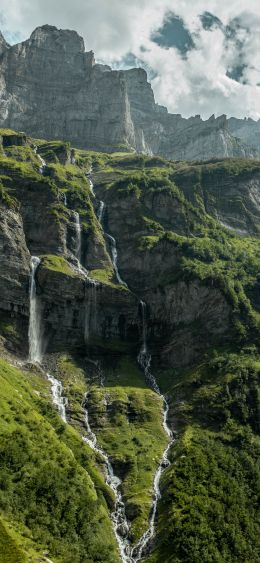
<point x="34" y="334"/>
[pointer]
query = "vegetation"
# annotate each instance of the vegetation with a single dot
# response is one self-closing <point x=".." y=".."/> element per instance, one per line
<point x="58" y="264"/>
<point x="209" y="509"/>
<point x="50" y="498"/>
<point x="54" y="502"/>
<point x="107" y="277"/>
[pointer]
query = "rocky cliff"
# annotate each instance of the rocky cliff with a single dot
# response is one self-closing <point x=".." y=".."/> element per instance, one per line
<point x="163" y="218"/>
<point x="51" y="88"/>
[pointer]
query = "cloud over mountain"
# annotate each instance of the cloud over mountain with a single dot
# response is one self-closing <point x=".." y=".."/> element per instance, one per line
<point x="203" y="58"/>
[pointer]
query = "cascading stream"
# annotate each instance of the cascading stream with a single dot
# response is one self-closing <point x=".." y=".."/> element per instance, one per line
<point x="34" y="333"/>
<point x="58" y="398"/>
<point x="42" y="161"/>
<point x="118" y="517"/>
<point x="144" y="359"/>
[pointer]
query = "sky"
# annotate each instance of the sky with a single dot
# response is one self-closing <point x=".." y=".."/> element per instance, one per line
<point x="202" y="56"/>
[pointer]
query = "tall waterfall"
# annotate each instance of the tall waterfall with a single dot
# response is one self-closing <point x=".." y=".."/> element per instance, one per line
<point x="100" y="211"/>
<point x="34" y="334"/>
<point x="112" y="242"/>
<point x="144" y="359"/>
<point x="78" y="236"/>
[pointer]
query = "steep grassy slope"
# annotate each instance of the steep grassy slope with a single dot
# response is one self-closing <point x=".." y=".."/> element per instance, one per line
<point x="47" y="490"/>
<point x="209" y="509"/>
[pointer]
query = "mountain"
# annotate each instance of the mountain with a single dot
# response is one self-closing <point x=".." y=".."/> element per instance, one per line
<point x="51" y="88"/>
<point x="129" y="349"/>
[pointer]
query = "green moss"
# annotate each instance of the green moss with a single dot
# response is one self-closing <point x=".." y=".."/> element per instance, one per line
<point x="23" y="153"/>
<point x="58" y="264"/>
<point x="107" y="277"/>
<point x="6" y="199"/>
<point x="11" y="132"/>
<point x="9" y="549"/>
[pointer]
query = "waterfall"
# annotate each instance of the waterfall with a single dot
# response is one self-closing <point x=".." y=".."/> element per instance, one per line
<point x="43" y="163"/>
<point x="90" y="325"/>
<point x="118" y="517"/>
<point x="78" y="236"/>
<point x="91" y="185"/>
<point x="57" y="396"/>
<point x="112" y="242"/>
<point x="35" y="340"/>
<point x="100" y="211"/>
<point x="34" y="334"/>
<point x="144" y="359"/>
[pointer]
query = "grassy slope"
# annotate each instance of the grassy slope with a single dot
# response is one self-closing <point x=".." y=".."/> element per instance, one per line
<point x="46" y="493"/>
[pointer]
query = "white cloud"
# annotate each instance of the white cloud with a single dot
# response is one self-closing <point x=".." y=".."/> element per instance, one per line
<point x="112" y="28"/>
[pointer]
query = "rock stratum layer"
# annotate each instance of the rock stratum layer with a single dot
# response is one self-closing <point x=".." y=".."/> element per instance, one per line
<point x="51" y="88"/>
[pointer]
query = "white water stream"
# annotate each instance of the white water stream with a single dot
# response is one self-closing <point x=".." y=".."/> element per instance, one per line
<point x="58" y="398"/>
<point x="42" y="161"/>
<point x="118" y="517"/>
<point x="112" y="242"/>
<point x="78" y="236"/>
<point x="34" y="334"/>
<point x="144" y="359"/>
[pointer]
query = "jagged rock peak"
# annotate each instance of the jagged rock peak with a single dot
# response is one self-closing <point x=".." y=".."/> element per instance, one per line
<point x="65" y="39"/>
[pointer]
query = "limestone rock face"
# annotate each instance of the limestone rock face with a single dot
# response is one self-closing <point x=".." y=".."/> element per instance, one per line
<point x="247" y="130"/>
<point x="14" y="262"/>
<point x="51" y="88"/>
<point x="192" y="313"/>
